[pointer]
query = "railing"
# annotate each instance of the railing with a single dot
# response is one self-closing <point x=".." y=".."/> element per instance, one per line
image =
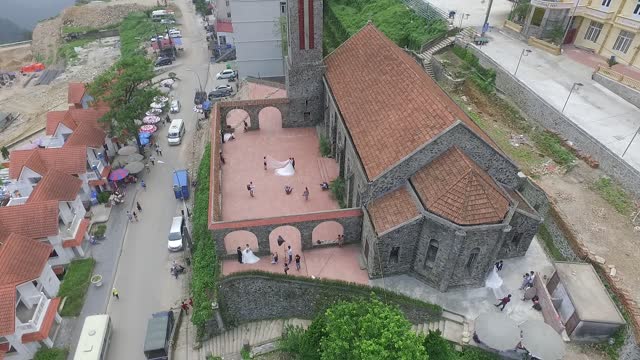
<point x="621" y="78"/>
<point x="70" y="232"/>
<point x="37" y="318"/>
<point x="558" y="4"/>
<point x="426" y="10"/>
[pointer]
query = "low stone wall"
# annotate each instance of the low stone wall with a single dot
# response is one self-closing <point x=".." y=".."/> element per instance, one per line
<point x="625" y="92"/>
<point x="512" y="26"/>
<point x="541" y="112"/>
<point x="443" y="78"/>
<point x="271" y="83"/>
<point x="543" y="45"/>
<point x="254" y="296"/>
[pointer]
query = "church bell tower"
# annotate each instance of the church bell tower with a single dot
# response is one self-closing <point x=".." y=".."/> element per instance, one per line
<point x="304" y="66"/>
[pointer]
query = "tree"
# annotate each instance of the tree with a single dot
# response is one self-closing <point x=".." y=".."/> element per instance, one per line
<point x="438" y="347"/>
<point x="368" y="330"/>
<point x="127" y="89"/>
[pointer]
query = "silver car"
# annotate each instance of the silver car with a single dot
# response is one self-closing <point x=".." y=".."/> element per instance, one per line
<point x="226" y="74"/>
<point x="175" y="106"/>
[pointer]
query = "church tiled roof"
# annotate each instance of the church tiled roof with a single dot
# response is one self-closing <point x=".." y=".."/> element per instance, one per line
<point x="392" y="209"/>
<point x="456" y="188"/>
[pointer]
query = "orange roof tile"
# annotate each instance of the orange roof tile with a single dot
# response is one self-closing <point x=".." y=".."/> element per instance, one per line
<point x="67" y="159"/>
<point x="46" y="325"/>
<point x="56" y="117"/>
<point x="387" y="100"/>
<point x="456" y="188"/>
<point x="33" y="220"/>
<point x="86" y="134"/>
<point x="91" y="116"/>
<point x="56" y="185"/>
<point x="75" y="93"/>
<point x="392" y="209"/>
<point x="77" y="240"/>
<point x="21" y="260"/>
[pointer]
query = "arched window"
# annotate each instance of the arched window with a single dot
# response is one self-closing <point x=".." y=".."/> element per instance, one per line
<point x="432" y="253"/>
<point x="473" y="260"/>
<point x="394" y="255"/>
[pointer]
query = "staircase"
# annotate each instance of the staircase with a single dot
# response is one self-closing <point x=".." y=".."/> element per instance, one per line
<point x="428" y="54"/>
<point x="262" y="335"/>
<point x="324" y="175"/>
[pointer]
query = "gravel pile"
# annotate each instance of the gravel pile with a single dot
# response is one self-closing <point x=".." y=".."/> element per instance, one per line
<point x="47" y="38"/>
<point x="97" y="15"/>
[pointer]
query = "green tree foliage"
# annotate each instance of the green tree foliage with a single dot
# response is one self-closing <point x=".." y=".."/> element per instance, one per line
<point x="484" y="79"/>
<point x="51" y="354"/>
<point x="438" y="348"/>
<point x="126" y="89"/>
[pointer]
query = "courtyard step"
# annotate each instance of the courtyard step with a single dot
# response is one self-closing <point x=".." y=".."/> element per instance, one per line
<point x="323" y="170"/>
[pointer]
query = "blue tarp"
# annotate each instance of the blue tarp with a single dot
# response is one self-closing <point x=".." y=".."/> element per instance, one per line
<point x="181" y="184"/>
<point x="206" y="105"/>
<point x="144" y="138"/>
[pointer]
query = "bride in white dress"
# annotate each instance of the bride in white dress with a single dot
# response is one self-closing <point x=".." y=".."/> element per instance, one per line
<point x="282" y="168"/>
<point x="248" y="257"/>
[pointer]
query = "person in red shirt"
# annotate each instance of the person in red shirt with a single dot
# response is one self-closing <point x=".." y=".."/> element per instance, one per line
<point x="503" y="302"/>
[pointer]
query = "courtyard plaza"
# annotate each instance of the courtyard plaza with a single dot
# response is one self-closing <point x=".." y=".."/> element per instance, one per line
<point x="244" y="163"/>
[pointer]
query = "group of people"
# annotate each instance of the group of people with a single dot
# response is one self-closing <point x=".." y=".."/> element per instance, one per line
<point x="132" y="215"/>
<point x="247" y="256"/>
<point x="527" y="283"/>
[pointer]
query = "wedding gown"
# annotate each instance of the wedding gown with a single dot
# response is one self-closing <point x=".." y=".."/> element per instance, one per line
<point x="288" y="170"/>
<point x="494" y="280"/>
<point x="248" y="257"/>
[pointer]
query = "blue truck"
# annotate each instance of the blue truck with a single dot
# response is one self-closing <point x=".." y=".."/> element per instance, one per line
<point x="181" y="184"/>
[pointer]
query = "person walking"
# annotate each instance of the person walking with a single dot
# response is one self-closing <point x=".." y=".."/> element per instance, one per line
<point x="159" y="150"/>
<point x="143" y="184"/>
<point x="239" y="252"/>
<point x="286" y="269"/>
<point x="298" y="262"/>
<point x="146" y="166"/>
<point x="525" y="281"/>
<point x="305" y="194"/>
<point x="290" y="254"/>
<point x="503" y="302"/>
<point x="138" y="206"/>
<point x="114" y="293"/>
<point x="293" y="163"/>
<point x="264" y="163"/>
<point x="498" y="265"/>
<point x="185" y="307"/>
<point x="251" y="188"/>
<point x="135" y="216"/>
<point x="153" y="160"/>
<point x="130" y="216"/>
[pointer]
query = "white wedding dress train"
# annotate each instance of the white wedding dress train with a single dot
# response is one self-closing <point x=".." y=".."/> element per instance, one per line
<point x="288" y="170"/>
<point x="248" y="257"/>
<point x="494" y="280"/>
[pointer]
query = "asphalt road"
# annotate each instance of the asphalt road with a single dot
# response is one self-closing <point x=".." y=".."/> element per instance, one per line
<point x="143" y="279"/>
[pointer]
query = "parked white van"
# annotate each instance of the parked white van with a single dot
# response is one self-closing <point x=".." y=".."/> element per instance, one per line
<point x="175" y="233"/>
<point x="176" y="131"/>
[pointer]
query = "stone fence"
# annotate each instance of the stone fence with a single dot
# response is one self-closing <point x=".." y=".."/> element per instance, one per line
<point x="254" y="296"/>
<point x="541" y="112"/>
<point x="623" y="86"/>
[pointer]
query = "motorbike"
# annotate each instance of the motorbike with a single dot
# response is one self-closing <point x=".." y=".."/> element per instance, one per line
<point x="176" y="270"/>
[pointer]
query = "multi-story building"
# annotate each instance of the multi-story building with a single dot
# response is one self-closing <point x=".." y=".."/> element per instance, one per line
<point x="257" y="30"/>
<point x="28" y="301"/>
<point x="609" y="28"/>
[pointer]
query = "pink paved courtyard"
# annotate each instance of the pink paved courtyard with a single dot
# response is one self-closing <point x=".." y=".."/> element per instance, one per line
<point x="327" y="263"/>
<point x="244" y="163"/>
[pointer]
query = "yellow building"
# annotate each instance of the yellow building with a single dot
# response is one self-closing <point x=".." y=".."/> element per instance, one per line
<point x="608" y="27"/>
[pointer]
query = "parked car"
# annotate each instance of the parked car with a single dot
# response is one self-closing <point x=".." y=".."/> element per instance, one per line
<point x="200" y="97"/>
<point x="175" y="33"/>
<point x="163" y="61"/>
<point x="175" y="106"/>
<point x="224" y="87"/>
<point x="219" y="93"/>
<point x="175" y="233"/>
<point x="167" y="21"/>
<point x="226" y="74"/>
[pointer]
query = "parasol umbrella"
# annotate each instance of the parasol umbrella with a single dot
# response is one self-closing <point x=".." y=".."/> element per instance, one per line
<point x="497" y="331"/>
<point x="134" y="157"/>
<point x="128" y="150"/>
<point x="153" y="112"/>
<point x="134" y="167"/>
<point x="148" y="128"/>
<point x="160" y="99"/>
<point x="156" y="105"/>
<point x="167" y="82"/>
<point x="144" y="138"/>
<point x="541" y="340"/>
<point x="151" y="119"/>
<point x="118" y="174"/>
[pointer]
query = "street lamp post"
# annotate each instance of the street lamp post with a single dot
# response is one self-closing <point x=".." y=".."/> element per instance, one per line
<point x="575" y="85"/>
<point x="524" y="51"/>
<point x="485" y="25"/>
<point x="462" y="17"/>
<point x="631" y="142"/>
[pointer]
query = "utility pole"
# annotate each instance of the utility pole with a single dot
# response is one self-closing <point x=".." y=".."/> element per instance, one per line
<point x="486" y="18"/>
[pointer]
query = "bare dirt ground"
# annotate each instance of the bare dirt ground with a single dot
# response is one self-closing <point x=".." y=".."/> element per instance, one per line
<point x="13" y="58"/>
<point x="47" y="39"/>
<point x="33" y="102"/>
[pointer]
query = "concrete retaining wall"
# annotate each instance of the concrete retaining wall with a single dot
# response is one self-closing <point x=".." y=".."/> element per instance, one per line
<point x="625" y="92"/>
<point x="443" y="78"/>
<point x="538" y="110"/>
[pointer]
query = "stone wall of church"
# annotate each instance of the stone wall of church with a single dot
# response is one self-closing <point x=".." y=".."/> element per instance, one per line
<point x="444" y="238"/>
<point x="401" y="241"/>
<point x="370" y="237"/>
<point x="524" y="228"/>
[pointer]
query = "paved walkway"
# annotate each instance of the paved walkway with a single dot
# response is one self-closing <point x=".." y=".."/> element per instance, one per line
<point x="476" y="9"/>
<point x="600" y="112"/>
<point x="592" y="60"/>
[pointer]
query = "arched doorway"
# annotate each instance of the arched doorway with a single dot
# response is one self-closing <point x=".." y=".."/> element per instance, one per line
<point x="270" y="118"/>
<point x="291" y="237"/>
<point x="235" y="119"/>
<point x="240" y="238"/>
<point x="326" y="233"/>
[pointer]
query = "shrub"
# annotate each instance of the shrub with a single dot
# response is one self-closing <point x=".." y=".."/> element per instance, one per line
<point x="103" y="197"/>
<point x="438" y="348"/>
<point x="484" y="79"/>
<point x="74" y="286"/>
<point x="614" y="194"/>
<point x="51" y="354"/>
<point x="551" y="145"/>
<point x="337" y="189"/>
<point x="547" y="239"/>
<point x="325" y="147"/>
<point x="99" y="230"/>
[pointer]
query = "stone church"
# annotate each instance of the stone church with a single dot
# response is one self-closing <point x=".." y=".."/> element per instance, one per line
<point x="441" y="201"/>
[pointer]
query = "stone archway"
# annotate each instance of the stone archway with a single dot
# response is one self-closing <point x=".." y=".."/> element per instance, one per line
<point x="326" y="233"/>
<point x="270" y="117"/>
<point x="291" y="237"/>
<point x="235" y="117"/>
<point x="240" y="238"/>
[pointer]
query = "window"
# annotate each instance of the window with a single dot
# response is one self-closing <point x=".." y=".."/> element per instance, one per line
<point x="624" y="40"/>
<point x="393" y="256"/>
<point x="229" y="14"/>
<point x="515" y="240"/>
<point x="636" y="10"/>
<point x="593" y="32"/>
<point x="283" y="7"/>
<point x="222" y="40"/>
<point x="53" y="254"/>
<point x="226" y="2"/>
<point x="473" y="259"/>
<point x="606" y="3"/>
<point x="432" y="253"/>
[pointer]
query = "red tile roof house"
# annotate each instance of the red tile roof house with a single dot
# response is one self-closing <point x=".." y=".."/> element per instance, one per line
<point x="78" y="97"/>
<point x="439" y="200"/>
<point x="57" y="218"/>
<point x="29" y="315"/>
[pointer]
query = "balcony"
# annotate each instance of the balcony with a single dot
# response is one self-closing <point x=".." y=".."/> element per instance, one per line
<point x="69" y="232"/>
<point x="632" y="22"/>
<point x="31" y="319"/>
